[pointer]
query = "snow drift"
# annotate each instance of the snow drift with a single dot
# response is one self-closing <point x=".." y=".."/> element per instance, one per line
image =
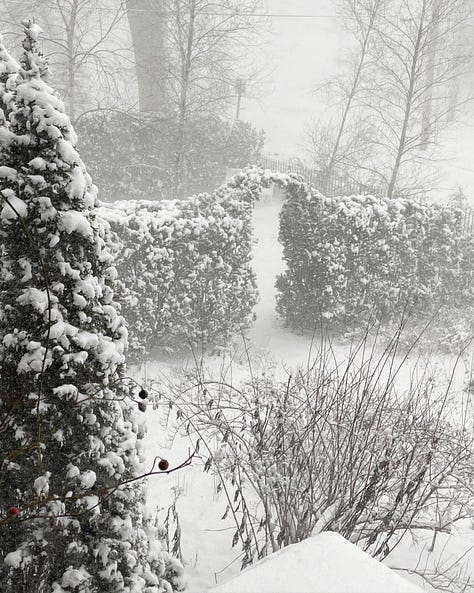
<point x="324" y="563"/>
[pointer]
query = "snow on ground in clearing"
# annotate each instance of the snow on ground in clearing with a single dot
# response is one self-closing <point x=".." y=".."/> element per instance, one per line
<point x="453" y="554"/>
<point x="205" y="538"/>
<point x="324" y="563"/>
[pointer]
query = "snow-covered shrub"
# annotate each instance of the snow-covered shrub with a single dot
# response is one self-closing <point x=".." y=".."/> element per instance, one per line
<point x="133" y="155"/>
<point x="338" y="446"/>
<point x="184" y="267"/>
<point x="353" y="256"/>
<point x="71" y="505"/>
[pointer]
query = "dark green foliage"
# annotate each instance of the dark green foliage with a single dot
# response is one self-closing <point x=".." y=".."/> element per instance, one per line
<point x="132" y="156"/>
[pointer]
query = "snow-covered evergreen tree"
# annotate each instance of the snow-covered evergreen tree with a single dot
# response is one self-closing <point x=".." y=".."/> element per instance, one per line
<point x="70" y="510"/>
<point x="8" y="71"/>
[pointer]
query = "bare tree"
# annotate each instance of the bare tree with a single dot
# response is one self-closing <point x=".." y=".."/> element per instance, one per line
<point x="340" y="151"/>
<point x="343" y="143"/>
<point x="88" y="46"/>
<point x="415" y="60"/>
<point x="207" y="41"/>
<point x="397" y="94"/>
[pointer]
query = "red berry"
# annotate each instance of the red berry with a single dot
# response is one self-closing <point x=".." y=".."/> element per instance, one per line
<point x="13" y="511"/>
<point x="163" y="465"/>
<point x="143" y="394"/>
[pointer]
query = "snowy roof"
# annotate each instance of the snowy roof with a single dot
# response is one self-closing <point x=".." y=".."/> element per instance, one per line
<point x="324" y="563"/>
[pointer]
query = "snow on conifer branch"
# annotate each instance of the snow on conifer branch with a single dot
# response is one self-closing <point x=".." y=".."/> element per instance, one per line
<point x="68" y="433"/>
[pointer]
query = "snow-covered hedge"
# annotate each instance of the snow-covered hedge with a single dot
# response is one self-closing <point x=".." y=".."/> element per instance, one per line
<point x="184" y="267"/>
<point x="348" y="257"/>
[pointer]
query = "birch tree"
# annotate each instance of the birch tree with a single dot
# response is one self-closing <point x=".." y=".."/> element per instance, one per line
<point x="342" y="145"/>
<point x="397" y="95"/>
<point x="208" y="40"/>
<point x="416" y="58"/>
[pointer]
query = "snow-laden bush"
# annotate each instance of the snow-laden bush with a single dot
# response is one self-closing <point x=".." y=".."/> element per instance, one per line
<point x="184" y="267"/>
<point x="134" y="154"/>
<point x="72" y="513"/>
<point x="351" y="256"/>
<point x="340" y="446"/>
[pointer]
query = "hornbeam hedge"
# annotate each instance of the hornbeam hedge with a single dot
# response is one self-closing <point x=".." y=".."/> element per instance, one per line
<point x="352" y="257"/>
<point x="184" y="267"/>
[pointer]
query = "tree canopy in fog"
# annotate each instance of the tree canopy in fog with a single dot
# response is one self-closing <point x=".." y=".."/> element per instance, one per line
<point x="398" y="91"/>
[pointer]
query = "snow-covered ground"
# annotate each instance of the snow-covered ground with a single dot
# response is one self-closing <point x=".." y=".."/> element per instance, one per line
<point x="205" y="538"/>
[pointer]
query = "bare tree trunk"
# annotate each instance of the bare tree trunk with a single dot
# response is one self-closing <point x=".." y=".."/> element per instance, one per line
<point x="401" y="145"/>
<point x="70" y="26"/>
<point x="453" y="99"/>
<point x="147" y="27"/>
<point x="427" y="111"/>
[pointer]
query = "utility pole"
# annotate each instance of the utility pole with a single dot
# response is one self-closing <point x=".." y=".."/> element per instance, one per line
<point x="240" y="88"/>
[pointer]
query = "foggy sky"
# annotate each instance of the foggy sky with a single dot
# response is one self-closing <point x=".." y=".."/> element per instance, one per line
<point x="300" y="53"/>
